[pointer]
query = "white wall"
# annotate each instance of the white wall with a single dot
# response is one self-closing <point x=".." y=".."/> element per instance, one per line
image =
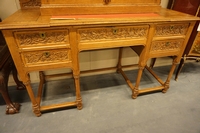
<point x="8" y="7"/>
<point x="89" y="59"/>
<point x="164" y="3"/>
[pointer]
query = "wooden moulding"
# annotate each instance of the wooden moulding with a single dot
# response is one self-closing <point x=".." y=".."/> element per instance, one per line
<point x="70" y="10"/>
<point x="78" y="2"/>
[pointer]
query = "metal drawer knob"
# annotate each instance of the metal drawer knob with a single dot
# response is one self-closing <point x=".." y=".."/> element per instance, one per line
<point x="42" y="35"/>
<point x="167" y="43"/>
<point x="46" y="54"/>
<point x="115" y="31"/>
<point x="171" y="27"/>
<point x="106" y="1"/>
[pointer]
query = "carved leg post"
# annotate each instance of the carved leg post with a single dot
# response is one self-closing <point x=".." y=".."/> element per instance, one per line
<point x="152" y="63"/>
<point x="78" y="93"/>
<point x="119" y="64"/>
<point x="166" y="85"/>
<point x="135" y="91"/>
<point x="35" y="106"/>
<point x="180" y="66"/>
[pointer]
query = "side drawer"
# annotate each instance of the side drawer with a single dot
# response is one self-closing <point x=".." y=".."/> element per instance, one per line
<point x="41" y="37"/>
<point x="175" y="29"/>
<point x="166" y="47"/>
<point x="45" y="57"/>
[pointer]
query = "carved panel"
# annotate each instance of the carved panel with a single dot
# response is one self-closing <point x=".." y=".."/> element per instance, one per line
<point x="30" y="3"/>
<point x="165" y="46"/>
<point x="196" y="45"/>
<point x="46" y="56"/>
<point x="111" y="33"/>
<point x="42" y="37"/>
<point x="172" y="29"/>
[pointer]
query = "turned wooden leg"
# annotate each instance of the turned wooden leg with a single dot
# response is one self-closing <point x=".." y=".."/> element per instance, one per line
<point x="135" y="91"/>
<point x="20" y="85"/>
<point x="180" y="66"/>
<point x="152" y="63"/>
<point x="78" y="93"/>
<point x="119" y="64"/>
<point x="166" y="85"/>
<point x="35" y="105"/>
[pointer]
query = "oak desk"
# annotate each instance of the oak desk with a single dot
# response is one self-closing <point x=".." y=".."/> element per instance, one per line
<point x="38" y="42"/>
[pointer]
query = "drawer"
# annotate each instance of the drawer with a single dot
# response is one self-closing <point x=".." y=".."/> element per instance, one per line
<point x="171" y="29"/>
<point x="46" y="57"/>
<point x="165" y="47"/>
<point x="42" y="37"/>
<point x="112" y="33"/>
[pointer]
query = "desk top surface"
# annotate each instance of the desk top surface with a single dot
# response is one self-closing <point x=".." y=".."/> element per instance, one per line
<point x="30" y="18"/>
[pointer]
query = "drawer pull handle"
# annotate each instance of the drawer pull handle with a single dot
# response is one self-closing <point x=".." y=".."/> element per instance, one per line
<point x="42" y="35"/>
<point x="106" y="1"/>
<point x="46" y="54"/>
<point x="167" y="44"/>
<point x="115" y="31"/>
<point x="171" y="27"/>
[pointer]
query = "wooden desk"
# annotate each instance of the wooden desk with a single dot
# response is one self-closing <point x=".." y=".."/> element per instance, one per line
<point x="39" y="43"/>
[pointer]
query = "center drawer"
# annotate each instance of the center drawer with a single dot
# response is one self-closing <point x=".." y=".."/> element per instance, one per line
<point x="113" y="36"/>
<point x="110" y="33"/>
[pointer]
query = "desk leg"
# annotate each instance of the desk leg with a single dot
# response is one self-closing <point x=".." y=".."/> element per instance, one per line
<point x="135" y="91"/>
<point x="35" y="106"/>
<point x="166" y="85"/>
<point x="78" y="93"/>
<point x="119" y="64"/>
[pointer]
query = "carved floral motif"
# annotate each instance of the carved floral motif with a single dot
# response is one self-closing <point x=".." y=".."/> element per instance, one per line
<point x="112" y="33"/>
<point x="196" y="47"/>
<point x="46" y="56"/>
<point x="42" y="37"/>
<point x="166" y="30"/>
<point x="163" y="45"/>
<point x="30" y="4"/>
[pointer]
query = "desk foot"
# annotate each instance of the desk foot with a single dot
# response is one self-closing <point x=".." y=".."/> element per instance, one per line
<point x="13" y="108"/>
<point x="79" y="106"/>
<point x="36" y="110"/>
<point x="166" y="87"/>
<point x="134" y="96"/>
<point x="135" y="93"/>
<point x="79" y="103"/>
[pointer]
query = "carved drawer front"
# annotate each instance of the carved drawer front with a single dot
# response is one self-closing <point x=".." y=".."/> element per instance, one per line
<point x="195" y="50"/>
<point x="171" y="29"/>
<point x="46" y="57"/>
<point x="166" y="46"/>
<point x="112" y="33"/>
<point x="42" y="37"/>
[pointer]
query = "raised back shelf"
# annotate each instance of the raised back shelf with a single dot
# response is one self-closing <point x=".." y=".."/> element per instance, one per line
<point x="70" y="7"/>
